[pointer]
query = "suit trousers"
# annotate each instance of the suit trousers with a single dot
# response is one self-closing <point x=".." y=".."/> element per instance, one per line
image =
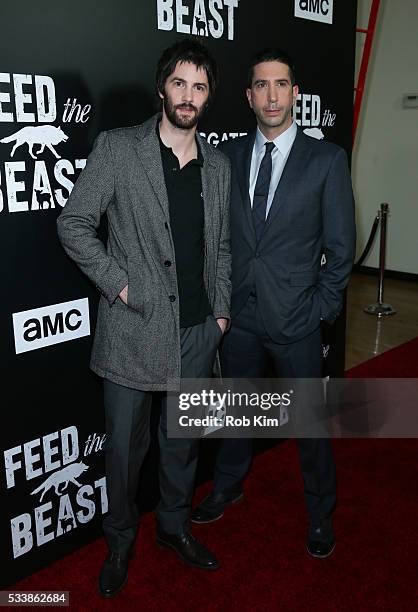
<point x="245" y="352"/>
<point x="127" y="416"/>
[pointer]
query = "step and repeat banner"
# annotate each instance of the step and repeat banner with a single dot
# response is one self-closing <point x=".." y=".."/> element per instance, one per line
<point x="68" y="71"/>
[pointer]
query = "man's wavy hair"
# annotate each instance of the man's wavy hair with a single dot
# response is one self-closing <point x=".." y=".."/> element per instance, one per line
<point x="191" y="51"/>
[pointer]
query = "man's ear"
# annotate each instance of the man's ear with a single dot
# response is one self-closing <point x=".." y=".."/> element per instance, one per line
<point x="248" y="94"/>
<point x="295" y="93"/>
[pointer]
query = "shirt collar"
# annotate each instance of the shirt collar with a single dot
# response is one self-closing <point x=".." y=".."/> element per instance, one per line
<point x="283" y="142"/>
<point x="168" y="150"/>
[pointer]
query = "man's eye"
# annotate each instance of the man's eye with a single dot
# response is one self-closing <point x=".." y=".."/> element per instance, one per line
<point x="178" y="83"/>
<point x="260" y="85"/>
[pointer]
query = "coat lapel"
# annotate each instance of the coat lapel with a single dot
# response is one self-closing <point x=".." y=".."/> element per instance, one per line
<point x="149" y="153"/>
<point x="209" y="184"/>
<point x="243" y="176"/>
<point x="292" y="172"/>
<point x="148" y="149"/>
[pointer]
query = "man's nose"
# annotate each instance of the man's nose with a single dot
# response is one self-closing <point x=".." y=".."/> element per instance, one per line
<point x="188" y="94"/>
<point x="272" y="93"/>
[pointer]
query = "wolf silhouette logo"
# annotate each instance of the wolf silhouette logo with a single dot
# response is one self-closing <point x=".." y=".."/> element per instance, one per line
<point x="62" y="477"/>
<point x="44" y="135"/>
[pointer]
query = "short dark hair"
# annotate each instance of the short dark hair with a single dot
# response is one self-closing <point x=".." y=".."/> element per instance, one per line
<point x="271" y="55"/>
<point x="188" y="50"/>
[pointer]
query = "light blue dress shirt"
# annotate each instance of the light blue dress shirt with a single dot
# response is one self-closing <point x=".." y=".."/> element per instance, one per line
<point x="279" y="157"/>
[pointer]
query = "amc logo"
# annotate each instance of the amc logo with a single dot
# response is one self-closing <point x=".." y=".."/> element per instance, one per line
<point x="315" y="10"/>
<point x="34" y="329"/>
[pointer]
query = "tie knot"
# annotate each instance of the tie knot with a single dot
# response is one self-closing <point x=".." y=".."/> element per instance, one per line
<point x="269" y="147"/>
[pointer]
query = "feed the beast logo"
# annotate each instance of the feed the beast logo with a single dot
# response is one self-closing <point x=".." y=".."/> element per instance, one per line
<point x="65" y="493"/>
<point x="35" y="176"/>
<point x="34" y="329"/>
<point x="211" y="18"/>
<point x="315" y="10"/>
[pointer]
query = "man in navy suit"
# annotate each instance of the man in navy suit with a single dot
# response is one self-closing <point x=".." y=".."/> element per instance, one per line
<point x="291" y="202"/>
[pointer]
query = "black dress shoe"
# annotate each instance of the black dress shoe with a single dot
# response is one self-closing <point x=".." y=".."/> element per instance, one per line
<point x="188" y="549"/>
<point x="321" y="540"/>
<point x="212" y="507"/>
<point x="113" y="575"/>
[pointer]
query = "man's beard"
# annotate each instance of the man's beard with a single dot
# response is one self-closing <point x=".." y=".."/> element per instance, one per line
<point x="184" y="122"/>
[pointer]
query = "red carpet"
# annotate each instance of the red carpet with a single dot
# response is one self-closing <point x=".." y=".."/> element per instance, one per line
<point x="261" y="541"/>
<point x="399" y="362"/>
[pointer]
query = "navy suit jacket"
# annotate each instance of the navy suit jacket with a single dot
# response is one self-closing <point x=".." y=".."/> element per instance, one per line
<point x="312" y="214"/>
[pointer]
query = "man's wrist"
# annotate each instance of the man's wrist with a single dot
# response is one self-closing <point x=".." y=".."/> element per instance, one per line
<point x="223" y="323"/>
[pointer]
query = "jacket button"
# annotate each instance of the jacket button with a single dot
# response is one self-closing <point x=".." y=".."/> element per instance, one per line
<point x="172" y="298"/>
<point x="167" y="263"/>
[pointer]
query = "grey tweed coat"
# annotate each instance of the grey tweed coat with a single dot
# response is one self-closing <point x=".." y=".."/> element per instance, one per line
<point x="138" y="345"/>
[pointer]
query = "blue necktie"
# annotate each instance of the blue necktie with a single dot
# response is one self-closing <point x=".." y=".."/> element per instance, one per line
<point x="261" y="191"/>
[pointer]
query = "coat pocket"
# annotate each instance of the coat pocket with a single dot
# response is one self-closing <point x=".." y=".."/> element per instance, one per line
<point x="139" y="298"/>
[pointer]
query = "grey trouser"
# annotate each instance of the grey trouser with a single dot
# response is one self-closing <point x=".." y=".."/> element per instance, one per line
<point x="127" y="414"/>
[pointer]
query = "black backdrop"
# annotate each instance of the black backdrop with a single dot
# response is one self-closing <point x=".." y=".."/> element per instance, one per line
<point x="67" y="71"/>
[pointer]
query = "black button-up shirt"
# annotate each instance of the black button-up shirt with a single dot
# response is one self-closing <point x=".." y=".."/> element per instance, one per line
<point x="187" y="222"/>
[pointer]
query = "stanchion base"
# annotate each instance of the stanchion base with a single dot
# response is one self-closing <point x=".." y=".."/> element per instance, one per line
<point x="380" y="309"/>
